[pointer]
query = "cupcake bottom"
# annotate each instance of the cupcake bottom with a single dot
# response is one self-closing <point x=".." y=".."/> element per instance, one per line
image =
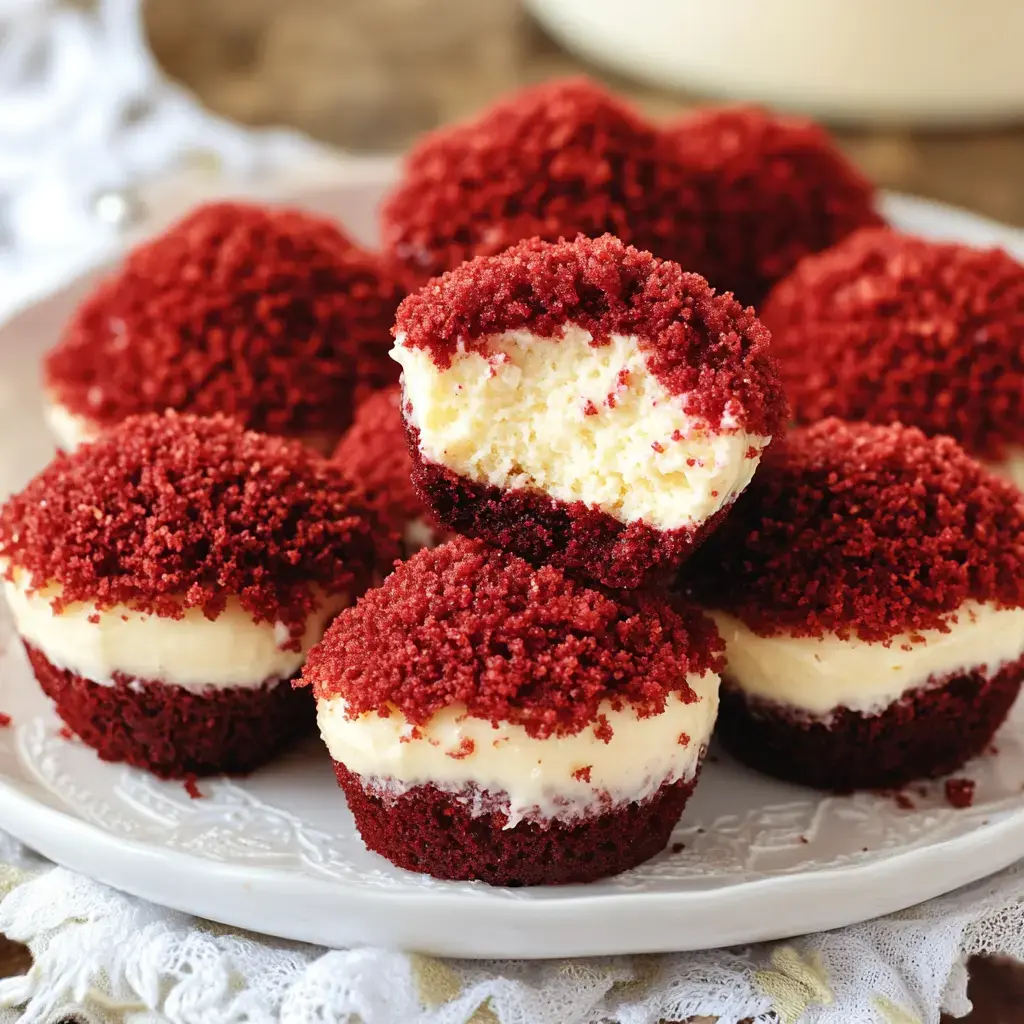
<point x="174" y="732"/>
<point x="426" y="830"/>
<point x="572" y="536"/>
<point x="929" y="732"/>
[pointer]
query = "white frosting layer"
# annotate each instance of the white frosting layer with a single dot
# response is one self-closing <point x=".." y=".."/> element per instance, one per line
<point x="544" y="778"/>
<point x="69" y="430"/>
<point x="819" y="674"/>
<point x="1011" y="468"/>
<point x="194" y="652"/>
<point x="518" y="418"/>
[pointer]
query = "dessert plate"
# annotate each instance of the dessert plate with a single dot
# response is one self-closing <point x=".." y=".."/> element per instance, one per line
<point x="277" y="852"/>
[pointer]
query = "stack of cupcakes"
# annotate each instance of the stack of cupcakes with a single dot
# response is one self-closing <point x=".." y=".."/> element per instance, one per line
<point x="503" y="708"/>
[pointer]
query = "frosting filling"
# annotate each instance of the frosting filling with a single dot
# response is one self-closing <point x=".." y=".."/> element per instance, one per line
<point x="562" y="777"/>
<point x="192" y="652"/>
<point x="819" y="674"/>
<point x="579" y="422"/>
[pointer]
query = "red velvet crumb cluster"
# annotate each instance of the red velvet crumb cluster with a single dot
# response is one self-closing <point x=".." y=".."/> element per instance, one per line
<point x="959" y="793"/>
<point x="271" y="316"/>
<point x="171" y="512"/>
<point x="866" y="530"/>
<point x="889" y="328"/>
<point x="374" y="453"/>
<point x="551" y="161"/>
<point x="771" y="190"/>
<point x="471" y="625"/>
<point x="695" y="342"/>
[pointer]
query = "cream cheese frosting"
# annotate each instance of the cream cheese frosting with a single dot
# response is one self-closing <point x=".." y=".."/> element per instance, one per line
<point x="194" y="652"/>
<point x="578" y="421"/>
<point x="560" y="777"/>
<point x="820" y="674"/>
<point x="1011" y="468"/>
<point x="68" y="429"/>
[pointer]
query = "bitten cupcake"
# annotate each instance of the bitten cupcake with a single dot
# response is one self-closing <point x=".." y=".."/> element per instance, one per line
<point x="584" y="403"/>
<point x="490" y="720"/>
<point x="374" y="453"/>
<point x="890" y="328"/>
<point x="869" y="588"/>
<point x="168" y="579"/>
<point x="551" y="161"/>
<point x="770" y="191"/>
<point x="270" y="316"/>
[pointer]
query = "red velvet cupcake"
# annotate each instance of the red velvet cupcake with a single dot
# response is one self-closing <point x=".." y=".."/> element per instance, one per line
<point x="770" y="190"/>
<point x="374" y="453"/>
<point x="869" y="588"/>
<point x="168" y="579"/>
<point x="270" y="316"/>
<point x="890" y="328"/>
<point x="552" y="161"/>
<point x="490" y="720"/>
<point x="585" y="404"/>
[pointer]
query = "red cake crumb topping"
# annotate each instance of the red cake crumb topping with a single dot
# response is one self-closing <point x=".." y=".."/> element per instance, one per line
<point x="695" y="342"/>
<point x="552" y="161"/>
<point x="771" y="190"/>
<point x="469" y="625"/>
<point x="959" y="792"/>
<point x="374" y="453"/>
<point x="65" y="733"/>
<point x="171" y="512"/>
<point x="583" y="774"/>
<point x="192" y="787"/>
<point x="863" y="530"/>
<point x="886" y="328"/>
<point x="5" y="720"/>
<point x="271" y="316"/>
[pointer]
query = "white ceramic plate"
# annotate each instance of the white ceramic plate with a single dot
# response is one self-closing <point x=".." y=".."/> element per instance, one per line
<point x="276" y="852"/>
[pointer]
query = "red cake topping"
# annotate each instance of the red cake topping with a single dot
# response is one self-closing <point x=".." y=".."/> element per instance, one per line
<point x="471" y="625"/>
<point x="771" y="190"/>
<point x="872" y="531"/>
<point x="552" y="161"/>
<point x="374" y="453"/>
<point x="172" y="512"/>
<point x="887" y="328"/>
<point x="271" y="316"/>
<point x="695" y="342"/>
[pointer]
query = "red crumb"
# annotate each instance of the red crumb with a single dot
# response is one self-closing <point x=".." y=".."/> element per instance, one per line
<point x="698" y="344"/>
<point x="5" y="720"/>
<point x="771" y="190"/>
<point x="583" y="774"/>
<point x="271" y="316"/>
<point x="887" y="327"/>
<point x="464" y="624"/>
<point x="465" y="748"/>
<point x="959" y="792"/>
<point x="552" y="161"/>
<point x="678" y="847"/>
<point x="192" y="788"/>
<point x="165" y="513"/>
<point x="65" y="733"/>
<point x="590" y="409"/>
<point x="868" y="530"/>
<point x="684" y="739"/>
<point x="374" y="454"/>
<point x="657" y="446"/>
<point x="899" y="797"/>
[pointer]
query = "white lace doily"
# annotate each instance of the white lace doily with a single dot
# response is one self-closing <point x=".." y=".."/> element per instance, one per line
<point x="94" y="147"/>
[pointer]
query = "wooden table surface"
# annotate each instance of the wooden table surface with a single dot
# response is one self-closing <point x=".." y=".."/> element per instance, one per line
<point x="372" y="74"/>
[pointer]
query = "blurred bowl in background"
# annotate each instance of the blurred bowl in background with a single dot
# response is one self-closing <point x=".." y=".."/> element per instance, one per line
<point x="931" y="62"/>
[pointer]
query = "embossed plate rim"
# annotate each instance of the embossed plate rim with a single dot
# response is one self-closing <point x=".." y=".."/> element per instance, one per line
<point x="471" y="920"/>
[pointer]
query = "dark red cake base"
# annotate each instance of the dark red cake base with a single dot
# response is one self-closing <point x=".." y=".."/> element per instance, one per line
<point x="426" y="830"/>
<point x="574" y="537"/>
<point x="929" y="732"/>
<point x="173" y="732"/>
